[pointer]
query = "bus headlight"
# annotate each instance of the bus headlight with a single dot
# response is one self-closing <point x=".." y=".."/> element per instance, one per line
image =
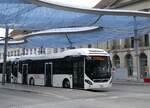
<point x="88" y="81"/>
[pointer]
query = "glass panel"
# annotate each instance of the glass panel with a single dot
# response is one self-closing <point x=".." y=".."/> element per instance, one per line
<point x="24" y="73"/>
<point x="130" y="67"/>
<point x="143" y="65"/>
<point x="129" y="64"/>
<point x="48" y="73"/>
<point x="98" y="68"/>
<point x="116" y="61"/>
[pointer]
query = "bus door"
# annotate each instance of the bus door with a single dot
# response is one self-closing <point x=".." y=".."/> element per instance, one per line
<point x="25" y="74"/>
<point x="15" y="70"/>
<point x="8" y="73"/>
<point x="78" y="75"/>
<point x="48" y="74"/>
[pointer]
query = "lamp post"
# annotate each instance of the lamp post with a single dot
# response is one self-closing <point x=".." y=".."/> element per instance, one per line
<point x="136" y="46"/>
<point x="5" y="55"/>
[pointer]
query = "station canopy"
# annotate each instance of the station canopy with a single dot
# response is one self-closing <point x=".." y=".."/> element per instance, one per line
<point x="61" y="26"/>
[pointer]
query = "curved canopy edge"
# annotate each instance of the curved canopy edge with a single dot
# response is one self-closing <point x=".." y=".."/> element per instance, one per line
<point x="66" y="7"/>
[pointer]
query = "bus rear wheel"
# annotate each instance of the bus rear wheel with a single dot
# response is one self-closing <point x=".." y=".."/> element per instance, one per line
<point x="66" y="83"/>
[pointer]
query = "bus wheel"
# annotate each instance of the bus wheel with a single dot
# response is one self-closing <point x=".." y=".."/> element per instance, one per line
<point x="31" y="81"/>
<point x="66" y="83"/>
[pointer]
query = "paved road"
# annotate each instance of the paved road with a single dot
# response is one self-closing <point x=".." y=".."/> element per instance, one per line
<point x="119" y="96"/>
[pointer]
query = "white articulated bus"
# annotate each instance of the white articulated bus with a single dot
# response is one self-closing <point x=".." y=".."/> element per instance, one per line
<point x="85" y="68"/>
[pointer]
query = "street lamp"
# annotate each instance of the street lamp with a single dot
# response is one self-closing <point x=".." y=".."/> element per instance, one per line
<point x="5" y="54"/>
<point x="136" y="48"/>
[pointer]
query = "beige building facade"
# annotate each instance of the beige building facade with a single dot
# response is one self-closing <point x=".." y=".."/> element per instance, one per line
<point x="128" y="63"/>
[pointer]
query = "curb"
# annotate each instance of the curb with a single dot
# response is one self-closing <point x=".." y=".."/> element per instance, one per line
<point x="131" y="83"/>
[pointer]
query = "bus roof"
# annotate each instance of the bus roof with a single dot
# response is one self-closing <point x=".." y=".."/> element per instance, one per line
<point x="11" y="59"/>
<point x="71" y="52"/>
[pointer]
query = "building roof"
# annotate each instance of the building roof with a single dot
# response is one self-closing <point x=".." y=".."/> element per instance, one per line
<point x="67" y="53"/>
<point x="105" y="3"/>
<point x="116" y="3"/>
<point x="122" y="3"/>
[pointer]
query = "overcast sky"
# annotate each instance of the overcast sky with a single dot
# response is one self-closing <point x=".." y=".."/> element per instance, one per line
<point x="85" y="3"/>
<point x="2" y="32"/>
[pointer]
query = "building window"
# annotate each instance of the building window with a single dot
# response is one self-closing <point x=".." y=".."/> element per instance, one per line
<point x="8" y="54"/>
<point x="143" y="65"/>
<point x="116" y="44"/>
<point x="26" y="52"/>
<point x="18" y="52"/>
<point x="62" y="49"/>
<point x="39" y="50"/>
<point x="89" y="46"/>
<point x="23" y="51"/>
<point x="55" y="50"/>
<point x="31" y="51"/>
<point x="129" y="43"/>
<point x="43" y="50"/>
<point x="11" y="53"/>
<point x="0" y="55"/>
<point x="107" y="47"/>
<point x="116" y="61"/>
<point x="15" y="53"/>
<point x="34" y="50"/>
<point x="132" y="42"/>
<point x="129" y="64"/>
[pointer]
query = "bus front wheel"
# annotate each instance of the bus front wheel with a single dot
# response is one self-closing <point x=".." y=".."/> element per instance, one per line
<point x="66" y="83"/>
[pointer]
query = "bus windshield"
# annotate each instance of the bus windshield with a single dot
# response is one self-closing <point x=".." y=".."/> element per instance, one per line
<point x="98" y="68"/>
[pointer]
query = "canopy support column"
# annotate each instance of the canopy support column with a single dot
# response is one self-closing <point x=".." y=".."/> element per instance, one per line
<point x="5" y="55"/>
<point x="136" y="46"/>
<point x="70" y="42"/>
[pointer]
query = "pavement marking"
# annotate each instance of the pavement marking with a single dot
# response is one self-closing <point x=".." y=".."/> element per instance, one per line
<point x="59" y="96"/>
<point x="113" y="97"/>
<point x="39" y="92"/>
<point x="21" y="106"/>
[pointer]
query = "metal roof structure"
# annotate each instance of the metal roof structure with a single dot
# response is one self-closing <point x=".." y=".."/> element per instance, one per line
<point x="64" y="25"/>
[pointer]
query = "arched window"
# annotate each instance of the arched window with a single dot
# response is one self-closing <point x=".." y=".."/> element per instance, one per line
<point x="143" y="65"/>
<point x="129" y="64"/>
<point x="116" y="61"/>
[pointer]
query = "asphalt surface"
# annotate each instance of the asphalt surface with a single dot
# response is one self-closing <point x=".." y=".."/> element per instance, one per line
<point x="119" y="96"/>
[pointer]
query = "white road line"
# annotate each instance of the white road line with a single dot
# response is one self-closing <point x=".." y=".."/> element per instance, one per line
<point x="58" y="96"/>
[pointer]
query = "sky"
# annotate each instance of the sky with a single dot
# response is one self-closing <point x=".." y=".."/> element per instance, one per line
<point x="78" y="3"/>
<point x="2" y="32"/>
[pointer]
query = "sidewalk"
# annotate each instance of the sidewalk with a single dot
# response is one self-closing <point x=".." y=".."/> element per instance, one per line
<point x="130" y="82"/>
